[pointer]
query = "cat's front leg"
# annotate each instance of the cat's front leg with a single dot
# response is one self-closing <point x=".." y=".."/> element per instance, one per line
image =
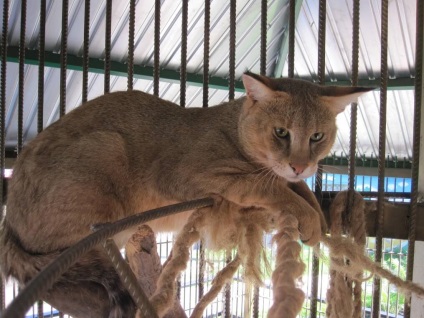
<point x="302" y="189"/>
<point x="312" y="223"/>
<point x="283" y="199"/>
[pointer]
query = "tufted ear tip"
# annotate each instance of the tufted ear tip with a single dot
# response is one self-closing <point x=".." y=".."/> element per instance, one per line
<point x="338" y="98"/>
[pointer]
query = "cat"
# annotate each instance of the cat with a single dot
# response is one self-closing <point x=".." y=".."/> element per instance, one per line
<point x="127" y="152"/>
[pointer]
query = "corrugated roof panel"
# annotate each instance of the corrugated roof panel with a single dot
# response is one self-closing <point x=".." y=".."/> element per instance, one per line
<point x="400" y="110"/>
<point x="338" y="56"/>
<point x="401" y="39"/>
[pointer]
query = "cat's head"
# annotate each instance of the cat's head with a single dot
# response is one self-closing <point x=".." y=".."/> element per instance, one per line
<point x="289" y="125"/>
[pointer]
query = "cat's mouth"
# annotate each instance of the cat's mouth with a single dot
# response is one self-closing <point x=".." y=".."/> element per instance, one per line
<point x="289" y="174"/>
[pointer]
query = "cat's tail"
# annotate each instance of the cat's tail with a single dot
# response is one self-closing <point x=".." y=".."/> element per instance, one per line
<point x="15" y="261"/>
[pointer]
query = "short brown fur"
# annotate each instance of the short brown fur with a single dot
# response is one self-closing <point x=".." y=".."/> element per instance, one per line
<point x="128" y="152"/>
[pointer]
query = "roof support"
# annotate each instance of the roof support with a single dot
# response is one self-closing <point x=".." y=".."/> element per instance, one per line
<point x="96" y="65"/>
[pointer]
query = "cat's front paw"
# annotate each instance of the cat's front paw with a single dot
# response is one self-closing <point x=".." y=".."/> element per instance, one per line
<point x="310" y="229"/>
<point x="310" y="221"/>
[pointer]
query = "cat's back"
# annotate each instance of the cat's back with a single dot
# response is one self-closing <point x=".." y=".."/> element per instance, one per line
<point x="127" y="113"/>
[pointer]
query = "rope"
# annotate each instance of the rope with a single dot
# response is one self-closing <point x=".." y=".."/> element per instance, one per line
<point x="344" y="294"/>
<point x="165" y="292"/>
<point x="45" y="279"/>
<point x="243" y="230"/>
<point x="221" y="279"/>
<point x="288" y="297"/>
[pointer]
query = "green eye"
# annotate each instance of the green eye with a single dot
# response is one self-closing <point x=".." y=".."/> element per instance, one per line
<point x="281" y="132"/>
<point x="317" y="136"/>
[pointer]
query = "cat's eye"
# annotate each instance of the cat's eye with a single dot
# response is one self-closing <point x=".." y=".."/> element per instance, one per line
<point x="317" y="136"/>
<point x="281" y="132"/>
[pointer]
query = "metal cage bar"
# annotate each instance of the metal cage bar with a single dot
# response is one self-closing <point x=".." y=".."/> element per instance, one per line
<point x="183" y="68"/>
<point x="40" y="94"/>
<point x="382" y="155"/>
<point x="156" y="61"/>
<point x="108" y="35"/>
<point x="206" y="49"/>
<point x="264" y="19"/>
<point x="318" y="181"/>
<point x="354" y="106"/>
<point x="86" y="50"/>
<point x="292" y="26"/>
<point x="232" y="56"/>
<point x="63" y="57"/>
<point x="418" y="102"/>
<point x="3" y="120"/>
<point x="41" y="58"/>
<point x="131" y="31"/>
<point x="21" y="76"/>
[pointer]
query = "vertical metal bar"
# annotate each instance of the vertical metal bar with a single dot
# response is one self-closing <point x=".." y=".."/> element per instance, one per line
<point x="3" y="119"/>
<point x="40" y="310"/>
<point x="41" y="63"/>
<point x="227" y="291"/>
<point x="21" y="76"/>
<point x="3" y="122"/>
<point x="206" y="48"/>
<point x="232" y="56"/>
<point x="321" y="41"/>
<point x="319" y="174"/>
<point x="354" y="106"/>
<point x="418" y="103"/>
<point x="183" y="70"/>
<point x="292" y="25"/>
<point x="156" y="62"/>
<point x="86" y="51"/>
<point x="201" y="276"/>
<point x="382" y="157"/>
<point x="255" y="309"/>
<point x="63" y="57"/>
<point x="131" y="46"/>
<point x="353" y="131"/>
<point x="264" y="18"/>
<point x="108" y="35"/>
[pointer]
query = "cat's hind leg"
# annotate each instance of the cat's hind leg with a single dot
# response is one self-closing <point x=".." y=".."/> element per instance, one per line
<point x="92" y="288"/>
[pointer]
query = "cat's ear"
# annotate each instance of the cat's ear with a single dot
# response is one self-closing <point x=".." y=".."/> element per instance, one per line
<point x="339" y="97"/>
<point x="256" y="88"/>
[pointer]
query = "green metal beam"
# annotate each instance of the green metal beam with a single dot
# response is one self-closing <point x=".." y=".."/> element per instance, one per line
<point x="117" y="68"/>
<point x="146" y="72"/>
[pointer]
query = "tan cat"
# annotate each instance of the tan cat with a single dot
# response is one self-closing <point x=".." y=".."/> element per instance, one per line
<point x="128" y="152"/>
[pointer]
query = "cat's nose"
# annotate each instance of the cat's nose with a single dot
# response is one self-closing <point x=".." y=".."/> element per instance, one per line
<point x="298" y="168"/>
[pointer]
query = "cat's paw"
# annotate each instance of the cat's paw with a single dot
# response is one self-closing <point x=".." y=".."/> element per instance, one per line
<point x="310" y="221"/>
<point x="310" y="229"/>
